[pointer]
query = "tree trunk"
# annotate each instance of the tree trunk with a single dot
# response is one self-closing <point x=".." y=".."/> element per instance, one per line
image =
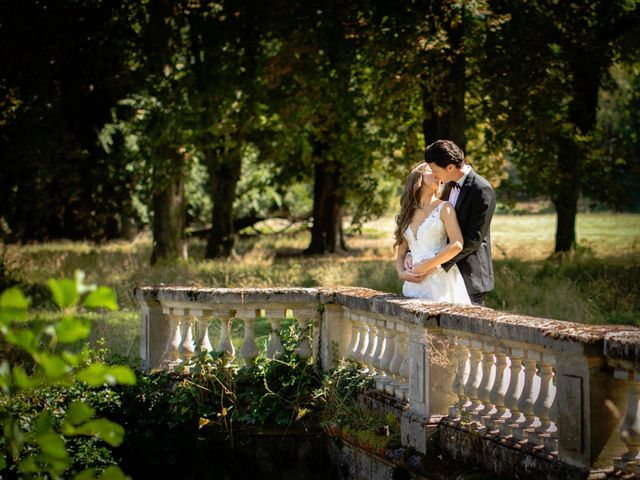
<point x="224" y="173"/>
<point x="587" y="74"/>
<point x="169" y="208"/>
<point x="565" y="196"/>
<point x="326" y="232"/>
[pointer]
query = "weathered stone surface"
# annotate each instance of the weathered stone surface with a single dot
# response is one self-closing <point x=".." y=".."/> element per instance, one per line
<point x="509" y="460"/>
<point x="623" y="345"/>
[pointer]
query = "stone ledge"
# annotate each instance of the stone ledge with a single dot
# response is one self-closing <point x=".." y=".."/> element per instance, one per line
<point x="622" y="342"/>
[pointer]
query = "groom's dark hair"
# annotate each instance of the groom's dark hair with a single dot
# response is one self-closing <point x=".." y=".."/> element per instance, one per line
<point x="443" y="153"/>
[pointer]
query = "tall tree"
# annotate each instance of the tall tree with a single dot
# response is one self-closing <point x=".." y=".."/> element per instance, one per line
<point x="164" y="56"/>
<point x="546" y="62"/>
<point x="65" y="65"/>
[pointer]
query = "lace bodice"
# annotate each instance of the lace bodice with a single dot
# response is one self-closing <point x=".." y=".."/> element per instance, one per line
<point x="429" y="238"/>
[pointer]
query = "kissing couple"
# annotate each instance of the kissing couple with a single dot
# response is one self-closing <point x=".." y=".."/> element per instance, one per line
<point x="442" y="233"/>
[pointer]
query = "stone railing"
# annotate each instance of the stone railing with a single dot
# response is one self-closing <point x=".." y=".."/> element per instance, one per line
<point x="539" y="396"/>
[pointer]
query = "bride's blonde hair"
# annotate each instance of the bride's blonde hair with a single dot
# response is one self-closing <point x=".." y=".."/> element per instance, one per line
<point x="409" y="202"/>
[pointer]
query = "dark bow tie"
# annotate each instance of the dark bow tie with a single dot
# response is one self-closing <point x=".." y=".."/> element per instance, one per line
<point x="454" y="185"/>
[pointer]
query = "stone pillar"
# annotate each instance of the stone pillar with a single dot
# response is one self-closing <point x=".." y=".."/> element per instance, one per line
<point x="334" y="336"/>
<point x="585" y="389"/>
<point x="155" y="331"/>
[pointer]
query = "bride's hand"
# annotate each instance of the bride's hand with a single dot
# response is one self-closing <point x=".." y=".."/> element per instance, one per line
<point x="411" y="276"/>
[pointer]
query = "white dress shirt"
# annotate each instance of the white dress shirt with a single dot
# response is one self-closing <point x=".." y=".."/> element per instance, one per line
<point x="455" y="192"/>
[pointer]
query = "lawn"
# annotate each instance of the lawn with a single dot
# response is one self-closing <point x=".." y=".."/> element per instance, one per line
<point x="597" y="284"/>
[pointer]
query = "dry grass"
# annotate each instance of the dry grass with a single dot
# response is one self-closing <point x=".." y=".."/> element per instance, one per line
<point x="596" y="285"/>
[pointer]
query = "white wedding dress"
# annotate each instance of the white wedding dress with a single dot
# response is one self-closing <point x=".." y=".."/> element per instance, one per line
<point x="426" y="242"/>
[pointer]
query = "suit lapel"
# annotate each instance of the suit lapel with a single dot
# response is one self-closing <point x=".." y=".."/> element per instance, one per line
<point x="464" y="191"/>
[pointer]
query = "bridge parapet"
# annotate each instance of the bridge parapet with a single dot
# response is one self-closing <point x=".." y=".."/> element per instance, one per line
<point x="541" y="395"/>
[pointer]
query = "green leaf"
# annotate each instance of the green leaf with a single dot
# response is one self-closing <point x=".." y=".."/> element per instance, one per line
<point x="72" y="359"/>
<point x="64" y="292"/>
<point x="109" y="431"/>
<point x="69" y="330"/>
<point x="29" y="465"/>
<point x="14" y="298"/>
<point x="54" y="367"/>
<point x="13" y="305"/>
<point x="24" y="339"/>
<point x="79" y="412"/>
<point x="22" y="380"/>
<point x="103" y="297"/>
<point x="52" y="446"/>
<point x="44" y="423"/>
<point x="5" y="375"/>
<point x="123" y="375"/>
<point x="88" y="474"/>
<point x="113" y="473"/>
<point x="97" y="374"/>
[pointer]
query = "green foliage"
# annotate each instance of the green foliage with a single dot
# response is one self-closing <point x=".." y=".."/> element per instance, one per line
<point x="342" y="414"/>
<point x="38" y="419"/>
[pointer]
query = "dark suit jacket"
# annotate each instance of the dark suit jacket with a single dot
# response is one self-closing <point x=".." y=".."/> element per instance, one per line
<point x="474" y="209"/>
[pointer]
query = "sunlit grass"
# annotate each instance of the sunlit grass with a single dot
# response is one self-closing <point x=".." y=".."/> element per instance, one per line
<point x="598" y="284"/>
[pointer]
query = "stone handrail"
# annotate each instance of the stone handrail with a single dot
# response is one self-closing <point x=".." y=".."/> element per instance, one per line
<point x="560" y="392"/>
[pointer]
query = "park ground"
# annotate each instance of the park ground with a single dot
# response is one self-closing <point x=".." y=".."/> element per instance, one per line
<point x="597" y="284"/>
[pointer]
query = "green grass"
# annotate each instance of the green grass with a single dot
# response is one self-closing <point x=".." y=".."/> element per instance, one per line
<point x="597" y="284"/>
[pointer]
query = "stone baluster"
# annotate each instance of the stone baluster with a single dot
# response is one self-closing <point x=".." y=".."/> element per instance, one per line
<point x="363" y="346"/>
<point x="249" y="350"/>
<point x="224" y="343"/>
<point x="402" y="392"/>
<point x="172" y="352"/>
<point x="381" y="344"/>
<point x="376" y="358"/>
<point x="629" y="462"/>
<point x="513" y="393"/>
<point x="188" y="345"/>
<point x="374" y="338"/>
<point x="355" y="335"/>
<point x="396" y="361"/>
<point x="550" y="438"/>
<point x="484" y="390"/>
<point x="475" y="376"/>
<point x="204" y="343"/>
<point x="543" y="403"/>
<point x="462" y="375"/>
<point x="499" y="390"/>
<point x="303" y="347"/>
<point x="274" y="348"/>
<point x="520" y="429"/>
<point x="387" y="357"/>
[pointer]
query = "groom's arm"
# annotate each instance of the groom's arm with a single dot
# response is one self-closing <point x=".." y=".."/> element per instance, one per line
<point x="482" y="204"/>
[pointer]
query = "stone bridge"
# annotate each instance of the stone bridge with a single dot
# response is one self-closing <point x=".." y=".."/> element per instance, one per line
<point x="519" y="396"/>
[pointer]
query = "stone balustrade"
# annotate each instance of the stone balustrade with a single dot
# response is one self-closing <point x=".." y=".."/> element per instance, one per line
<point x="542" y="395"/>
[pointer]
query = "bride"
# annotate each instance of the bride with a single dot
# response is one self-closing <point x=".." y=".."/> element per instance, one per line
<point x="423" y="226"/>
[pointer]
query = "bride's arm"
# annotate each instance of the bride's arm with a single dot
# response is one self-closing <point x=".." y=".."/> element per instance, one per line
<point x="403" y="274"/>
<point x="448" y="216"/>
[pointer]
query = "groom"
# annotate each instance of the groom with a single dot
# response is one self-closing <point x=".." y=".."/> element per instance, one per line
<point x="474" y="201"/>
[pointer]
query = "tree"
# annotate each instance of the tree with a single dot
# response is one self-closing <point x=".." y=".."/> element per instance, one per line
<point x="65" y="66"/>
<point x="545" y="103"/>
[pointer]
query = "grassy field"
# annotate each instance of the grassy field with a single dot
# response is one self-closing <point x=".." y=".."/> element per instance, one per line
<point x="597" y="284"/>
